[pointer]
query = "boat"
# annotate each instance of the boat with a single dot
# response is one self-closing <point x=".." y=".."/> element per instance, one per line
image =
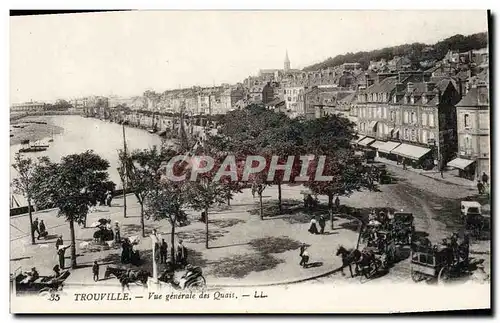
<point x="28" y="148"/>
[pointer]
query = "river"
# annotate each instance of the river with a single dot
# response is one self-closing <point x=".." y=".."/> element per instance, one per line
<point x="78" y="134"/>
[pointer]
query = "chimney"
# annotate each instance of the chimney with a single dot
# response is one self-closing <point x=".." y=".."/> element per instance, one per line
<point x="482" y="94"/>
<point x="429" y="86"/>
<point x="410" y="86"/>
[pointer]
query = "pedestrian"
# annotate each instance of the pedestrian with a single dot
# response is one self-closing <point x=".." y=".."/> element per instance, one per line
<point x="117" y="232"/>
<point x="35" y="228"/>
<point x="441" y="171"/>
<point x="95" y="271"/>
<point x="41" y="231"/>
<point x="480" y="187"/>
<point x="203" y="217"/>
<point x="322" y="224"/>
<point x="163" y="251"/>
<point x="61" y="252"/>
<point x="485" y="179"/>
<point x="109" y="198"/>
<point x="57" y="270"/>
<point x="337" y="204"/>
<point x="304" y="257"/>
<point x="181" y="254"/>
<point x="404" y="163"/>
<point x="59" y="242"/>
<point x="254" y="189"/>
<point x="313" y="229"/>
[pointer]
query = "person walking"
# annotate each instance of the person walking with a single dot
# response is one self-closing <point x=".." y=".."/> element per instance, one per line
<point x="181" y="254"/>
<point x="480" y="187"/>
<point x="404" y="163"/>
<point x="117" y="232"/>
<point x="35" y="228"/>
<point x="485" y="179"/>
<point x="313" y="229"/>
<point x="304" y="256"/>
<point x="41" y="230"/>
<point x="61" y="252"/>
<point x="95" y="271"/>
<point x="163" y="251"/>
<point x="322" y="224"/>
<point x="59" y="242"/>
<point x="337" y="204"/>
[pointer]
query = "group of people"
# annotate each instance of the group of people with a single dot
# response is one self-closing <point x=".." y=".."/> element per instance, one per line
<point x="129" y="254"/>
<point x="39" y="228"/>
<point x="482" y="183"/>
<point x="313" y="225"/>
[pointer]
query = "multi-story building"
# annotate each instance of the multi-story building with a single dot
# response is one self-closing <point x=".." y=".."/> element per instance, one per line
<point x="229" y="98"/>
<point x="28" y="107"/>
<point x="260" y="94"/>
<point x="407" y="116"/>
<point x="473" y="120"/>
<point x="295" y="101"/>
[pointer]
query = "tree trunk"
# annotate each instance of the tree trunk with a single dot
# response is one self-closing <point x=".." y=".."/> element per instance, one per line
<point x="359" y="235"/>
<point x="31" y="222"/>
<point x="206" y="228"/>
<point x="261" y="207"/>
<point x="142" y="218"/>
<point x="73" y="244"/>
<point x="280" y="208"/>
<point x="228" y="200"/>
<point x="172" y="242"/>
<point x="330" y="208"/>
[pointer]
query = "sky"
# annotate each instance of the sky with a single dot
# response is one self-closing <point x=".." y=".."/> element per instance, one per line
<point x="125" y="53"/>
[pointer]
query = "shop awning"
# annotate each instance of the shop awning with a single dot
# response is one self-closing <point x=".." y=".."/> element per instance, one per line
<point x="389" y="146"/>
<point x="377" y="144"/>
<point x="366" y="141"/>
<point x="460" y="163"/>
<point x="360" y="138"/>
<point x="410" y="151"/>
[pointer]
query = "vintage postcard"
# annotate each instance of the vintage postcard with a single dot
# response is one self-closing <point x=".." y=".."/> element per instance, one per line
<point x="250" y="162"/>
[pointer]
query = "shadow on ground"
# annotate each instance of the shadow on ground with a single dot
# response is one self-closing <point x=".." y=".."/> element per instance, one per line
<point x="241" y="265"/>
<point x="274" y="244"/>
<point x="198" y="236"/>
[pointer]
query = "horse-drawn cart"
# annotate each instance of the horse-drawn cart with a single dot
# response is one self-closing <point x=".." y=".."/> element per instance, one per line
<point x="441" y="262"/>
<point x="42" y="285"/>
<point x="475" y="222"/>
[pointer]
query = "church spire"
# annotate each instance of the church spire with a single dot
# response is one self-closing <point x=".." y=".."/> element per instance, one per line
<point x="287" y="62"/>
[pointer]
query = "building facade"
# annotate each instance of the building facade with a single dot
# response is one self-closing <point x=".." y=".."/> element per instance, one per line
<point x="413" y="112"/>
<point x="28" y="107"/>
<point x="473" y="120"/>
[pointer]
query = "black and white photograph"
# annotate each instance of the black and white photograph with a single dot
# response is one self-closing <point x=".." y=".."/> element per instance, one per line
<point x="265" y="161"/>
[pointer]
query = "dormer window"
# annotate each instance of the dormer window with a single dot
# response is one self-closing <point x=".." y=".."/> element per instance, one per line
<point x="424" y="99"/>
<point x="394" y="99"/>
<point x="412" y="99"/>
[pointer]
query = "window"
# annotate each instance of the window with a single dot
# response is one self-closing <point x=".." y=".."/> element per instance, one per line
<point x="467" y="142"/>
<point x="405" y="117"/>
<point x="424" y="136"/>
<point x="413" y="135"/>
<point x="484" y="121"/>
<point x="393" y="115"/>
<point x="424" y="119"/>
<point x="466" y="121"/>
<point x="431" y="120"/>
<point x="412" y="100"/>
<point x="406" y="134"/>
<point x="379" y="113"/>
<point x="394" y="99"/>
<point x="413" y="118"/>
<point x="385" y="112"/>
<point x="424" y="99"/>
<point x="431" y="135"/>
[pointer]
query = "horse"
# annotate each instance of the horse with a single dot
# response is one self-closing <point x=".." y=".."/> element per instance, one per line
<point x="349" y="257"/>
<point x="126" y="276"/>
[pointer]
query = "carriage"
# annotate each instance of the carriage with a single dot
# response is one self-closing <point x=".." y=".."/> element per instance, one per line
<point x="192" y="280"/>
<point x="43" y="286"/>
<point x="403" y="228"/>
<point x="440" y="262"/>
<point x="473" y="218"/>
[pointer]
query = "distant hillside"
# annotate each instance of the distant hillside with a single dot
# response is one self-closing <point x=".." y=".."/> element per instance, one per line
<point x="415" y="52"/>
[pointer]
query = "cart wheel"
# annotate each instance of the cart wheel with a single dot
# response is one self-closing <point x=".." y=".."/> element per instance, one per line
<point x="416" y="276"/>
<point x="444" y="275"/>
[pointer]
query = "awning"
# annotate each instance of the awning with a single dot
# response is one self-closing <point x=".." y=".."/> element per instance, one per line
<point x="389" y="146"/>
<point x="360" y="138"/>
<point x="373" y="124"/>
<point x="410" y="151"/>
<point x="460" y="163"/>
<point x="366" y="141"/>
<point x="377" y="144"/>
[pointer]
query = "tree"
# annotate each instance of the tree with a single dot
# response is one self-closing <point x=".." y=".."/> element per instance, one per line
<point x="71" y="187"/>
<point x="166" y="201"/>
<point x="23" y="184"/>
<point x="142" y="168"/>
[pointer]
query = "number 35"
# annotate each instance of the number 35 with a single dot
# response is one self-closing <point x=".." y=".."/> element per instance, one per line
<point x="54" y="297"/>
